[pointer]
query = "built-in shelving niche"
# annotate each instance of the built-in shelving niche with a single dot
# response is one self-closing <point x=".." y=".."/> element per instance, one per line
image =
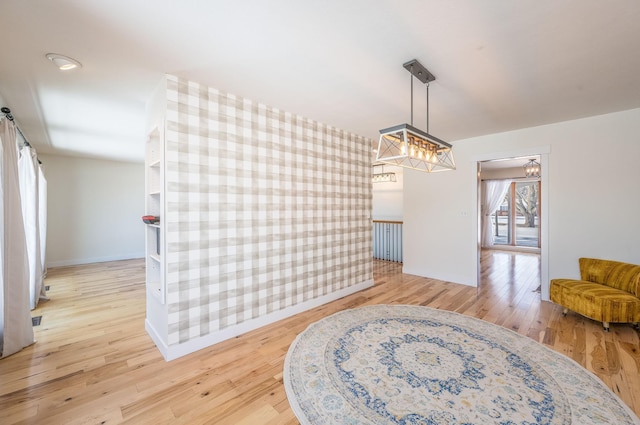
<point x="153" y="206"/>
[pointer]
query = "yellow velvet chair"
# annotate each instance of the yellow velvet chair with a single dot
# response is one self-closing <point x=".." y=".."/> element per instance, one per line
<point x="608" y="291"/>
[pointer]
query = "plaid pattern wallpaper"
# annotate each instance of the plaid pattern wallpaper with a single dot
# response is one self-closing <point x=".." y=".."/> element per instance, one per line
<point x="264" y="210"/>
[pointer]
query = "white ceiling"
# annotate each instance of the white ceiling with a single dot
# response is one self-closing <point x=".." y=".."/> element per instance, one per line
<point x="500" y="65"/>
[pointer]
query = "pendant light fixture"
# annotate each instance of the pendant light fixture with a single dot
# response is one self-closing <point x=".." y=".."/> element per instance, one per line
<point x="532" y="169"/>
<point x="379" y="176"/>
<point x="409" y="147"/>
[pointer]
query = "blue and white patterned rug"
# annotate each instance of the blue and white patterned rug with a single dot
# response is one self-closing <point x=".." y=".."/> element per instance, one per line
<point x="398" y="364"/>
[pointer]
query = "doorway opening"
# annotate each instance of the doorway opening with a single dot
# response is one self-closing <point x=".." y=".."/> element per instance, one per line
<point x="510" y="221"/>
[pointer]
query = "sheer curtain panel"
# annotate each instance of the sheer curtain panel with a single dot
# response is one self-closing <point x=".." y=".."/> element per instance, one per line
<point x="16" y="331"/>
<point x="29" y="176"/>
<point x="42" y="221"/>
<point x="493" y="193"/>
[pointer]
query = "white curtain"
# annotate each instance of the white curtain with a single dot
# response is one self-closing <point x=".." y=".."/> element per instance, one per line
<point x="493" y="193"/>
<point x="29" y="176"/>
<point x="16" y="330"/>
<point x="42" y="221"/>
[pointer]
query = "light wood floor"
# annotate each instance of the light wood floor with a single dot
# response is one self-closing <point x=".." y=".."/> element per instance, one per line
<point x="94" y="363"/>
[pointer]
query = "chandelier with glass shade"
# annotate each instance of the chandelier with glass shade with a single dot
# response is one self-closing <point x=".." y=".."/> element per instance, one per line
<point x="532" y="169"/>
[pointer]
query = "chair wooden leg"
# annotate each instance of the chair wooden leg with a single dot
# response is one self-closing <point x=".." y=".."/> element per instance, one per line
<point x="605" y="325"/>
<point x="565" y="311"/>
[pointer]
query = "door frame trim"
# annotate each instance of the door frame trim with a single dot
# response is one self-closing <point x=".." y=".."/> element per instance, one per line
<point x="544" y="153"/>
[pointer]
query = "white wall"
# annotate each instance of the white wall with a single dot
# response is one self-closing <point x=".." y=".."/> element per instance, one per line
<point x="388" y="197"/>
<point x="591" y="176"/>
<point x="503" y="173"/>
<point x="94" y="210"/>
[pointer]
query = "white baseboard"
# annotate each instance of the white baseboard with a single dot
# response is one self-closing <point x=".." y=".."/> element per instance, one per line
<point x="153" y="333"/>
<point x="453" y="278"/>
<point x="77" y="261"/>
<point x="172" y="352"/>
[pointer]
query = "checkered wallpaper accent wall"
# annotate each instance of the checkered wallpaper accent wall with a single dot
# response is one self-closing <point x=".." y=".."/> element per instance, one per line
<point x="264" y="209"/>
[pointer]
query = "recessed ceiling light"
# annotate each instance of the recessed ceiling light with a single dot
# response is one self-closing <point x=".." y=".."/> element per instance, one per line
<point x="64" y="63"/>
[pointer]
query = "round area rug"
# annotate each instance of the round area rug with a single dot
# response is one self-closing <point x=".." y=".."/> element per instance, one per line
<point x="398" y="364"/>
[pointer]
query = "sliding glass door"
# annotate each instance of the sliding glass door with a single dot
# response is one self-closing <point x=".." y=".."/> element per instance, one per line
<point x="517" y="221"/>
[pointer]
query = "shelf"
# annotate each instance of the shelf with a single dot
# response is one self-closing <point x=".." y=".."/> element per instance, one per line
<point x="154" y="189"/>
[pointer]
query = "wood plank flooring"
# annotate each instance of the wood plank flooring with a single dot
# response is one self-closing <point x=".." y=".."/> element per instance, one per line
<point x="95" y="364"/>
